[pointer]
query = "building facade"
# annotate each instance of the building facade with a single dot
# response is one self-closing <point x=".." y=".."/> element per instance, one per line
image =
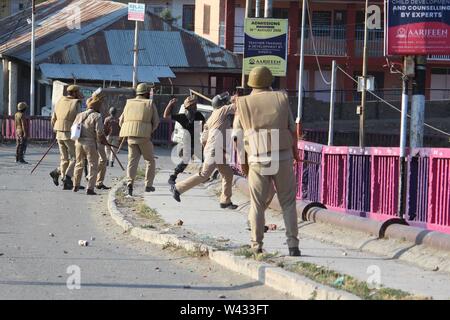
<point x="182" y="11"/>
<point x="336" y="32"/>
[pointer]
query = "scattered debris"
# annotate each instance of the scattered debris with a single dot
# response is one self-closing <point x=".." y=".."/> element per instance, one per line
<point x="179" y="222"/>
<point x="339" y="281"/>
<point x="66" y="252"/>
<point x="436" y="268"/>
<point x="221" y="296"/>
<point x="266" y="228"/>
<point x="83" y="243"/>
<point x="272" y="227"/>
<point x="344" y="253"/>
<point x="186" y="287"/>
<point x="1" y="254"/>
<point x="221" y="239"/>
<point x="92" y="238"/>
<point x="51" y="234"/>
<point x="158" y="269"/>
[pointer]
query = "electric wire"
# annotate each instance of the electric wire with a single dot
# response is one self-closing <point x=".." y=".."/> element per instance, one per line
<point x="392" y="106"/>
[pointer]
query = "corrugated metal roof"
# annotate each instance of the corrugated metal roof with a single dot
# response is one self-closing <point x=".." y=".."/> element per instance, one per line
<point x="157" y="47"/>
<point x="57" y="29"/>
<point x="106" y="38"/>
<point x="104" y="72"/>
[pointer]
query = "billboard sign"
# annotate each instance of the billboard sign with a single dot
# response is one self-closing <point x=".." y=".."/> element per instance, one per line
<point x="265" y="44"/>
<point x="417" y="27"/>
<point x="136" y="11"/>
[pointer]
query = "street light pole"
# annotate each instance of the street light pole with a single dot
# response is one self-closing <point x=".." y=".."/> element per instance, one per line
<point x="33" y="62"/>
<point x="300" y="72"/>
<point x="136" y="53"/>
<point x="362" y="116"/>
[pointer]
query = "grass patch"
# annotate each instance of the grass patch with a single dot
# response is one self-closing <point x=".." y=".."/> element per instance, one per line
<point x="247" y="252"/>
<point x="147" y="226"/>
<point x="348" y="283"/>
<point x="146" y="212"/>
<point x="197" y="252"/>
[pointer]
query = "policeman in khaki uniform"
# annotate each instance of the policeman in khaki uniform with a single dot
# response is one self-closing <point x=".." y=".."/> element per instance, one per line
<point x="66" y="109"/>
<point x="269" y="161"/>
<point x="21" y="132"/>
<point x="137" y="123"/>
<point x="102" y="157"/>
<point x="214" y="140"/>
<point x="87" y="145"/>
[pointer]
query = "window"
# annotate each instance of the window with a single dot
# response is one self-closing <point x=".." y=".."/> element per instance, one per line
<point x="157" y="10"/>
<point x="321" y="23"/>
<point x="188" y="17"/>
<point x="206" y="18"/>
<point x="340" y="21"/>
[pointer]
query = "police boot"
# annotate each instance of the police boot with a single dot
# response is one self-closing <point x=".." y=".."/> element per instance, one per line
<point x="23" y="161"/>
<point x="90" y="192"/>
<point x="107" y="163"/>
<point x="149" y="189"/>
<point x="230" y="205"/>
<point x="172" y="179"/>
<point x="112" y="164"/>
<point x="68" y="184"/>
<point x="102" y="186"/>
<point x="55" y="176"/>
<point x="294" y="252"/>
<point x="175" y="193"/>
<point x="130" y="190"/>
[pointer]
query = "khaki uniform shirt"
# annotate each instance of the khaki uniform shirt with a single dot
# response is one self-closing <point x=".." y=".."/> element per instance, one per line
<point x="283" y="154"/>
<point x="215" y="129"/>
<point x="19" y="122"/>
<point x="92" y="126"/>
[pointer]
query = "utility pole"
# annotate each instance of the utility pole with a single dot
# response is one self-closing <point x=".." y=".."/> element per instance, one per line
<point x="33" y="62"/>
<point x="418" y="103"/>
<point x="268" y="9"/>
<point x="332" y="99"/>
<point x="402" y="158"/>
<point x="248" y="10"/>
<point x="136" y="53"/>
<point x="362" y="117"/>
<point x="301" y="72"/>
<point x="257" y="8"/>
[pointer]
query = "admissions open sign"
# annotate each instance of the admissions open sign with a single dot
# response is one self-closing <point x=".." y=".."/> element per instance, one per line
<point x="136" y="11"/>
<point x="417" y="27"/>
<point x="265" y="44"/>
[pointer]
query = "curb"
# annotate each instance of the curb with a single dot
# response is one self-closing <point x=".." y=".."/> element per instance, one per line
<point x="275" y="277"/>
<point x="415" y="235"/>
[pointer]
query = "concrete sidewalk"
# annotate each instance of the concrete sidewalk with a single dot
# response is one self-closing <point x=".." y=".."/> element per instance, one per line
<point x="200" y="212"/>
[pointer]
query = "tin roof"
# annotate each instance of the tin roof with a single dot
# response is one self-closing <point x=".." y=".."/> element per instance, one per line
<point x="103" y="35"/>
<point x="104" y="72"/>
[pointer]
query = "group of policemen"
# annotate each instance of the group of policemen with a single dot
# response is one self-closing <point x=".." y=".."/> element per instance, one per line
<point x="262" y="110"/>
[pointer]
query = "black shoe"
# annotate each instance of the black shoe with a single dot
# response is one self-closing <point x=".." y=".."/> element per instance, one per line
<point x="175" y="193"/>
<point x="257" y="250"/>
<point x="172" y="179"/>
<point x="55" y="176"/>
<point x="90" y="192"/>
<point x="295" y="252"/>
<point x="102" y="186"/>
<point x="229" y="206"/>
<point x="23" y="161"/>
<point x="68" y="184"/>
<point x="149" y="189"/>
<point x="112" y="164"/>
<point x="130" y="190"/>
<point x="75" y="189"/>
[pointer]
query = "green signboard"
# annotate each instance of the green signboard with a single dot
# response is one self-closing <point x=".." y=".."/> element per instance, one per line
<point x="265" y="44"/>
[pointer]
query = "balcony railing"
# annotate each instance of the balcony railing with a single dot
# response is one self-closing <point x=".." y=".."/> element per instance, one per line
<point x="375" y="43"/>
<point x="328" y="41"/>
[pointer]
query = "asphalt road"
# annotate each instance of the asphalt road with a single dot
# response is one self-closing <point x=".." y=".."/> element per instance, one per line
<point x="40" y="226"/>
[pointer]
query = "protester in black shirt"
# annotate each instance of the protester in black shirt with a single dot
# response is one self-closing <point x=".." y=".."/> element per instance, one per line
<point x="187" y="121"/>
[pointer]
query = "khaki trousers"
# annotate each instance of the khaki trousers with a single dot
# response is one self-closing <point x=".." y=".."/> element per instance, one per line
<point x="208" y="168"/>
<point x="136" y="148"/>
<point x="114" y="140"/>
<point x="102" y="158"/>
<point x="86" y="150"/>
<point x="67" y="163"/>
<point x="261" y="188"/>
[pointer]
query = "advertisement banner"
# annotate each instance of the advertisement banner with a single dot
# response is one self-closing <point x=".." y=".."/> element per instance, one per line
<point x="265" y="44"/>
<point x="136" y="11"/>
<point x="417" y="27"/>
